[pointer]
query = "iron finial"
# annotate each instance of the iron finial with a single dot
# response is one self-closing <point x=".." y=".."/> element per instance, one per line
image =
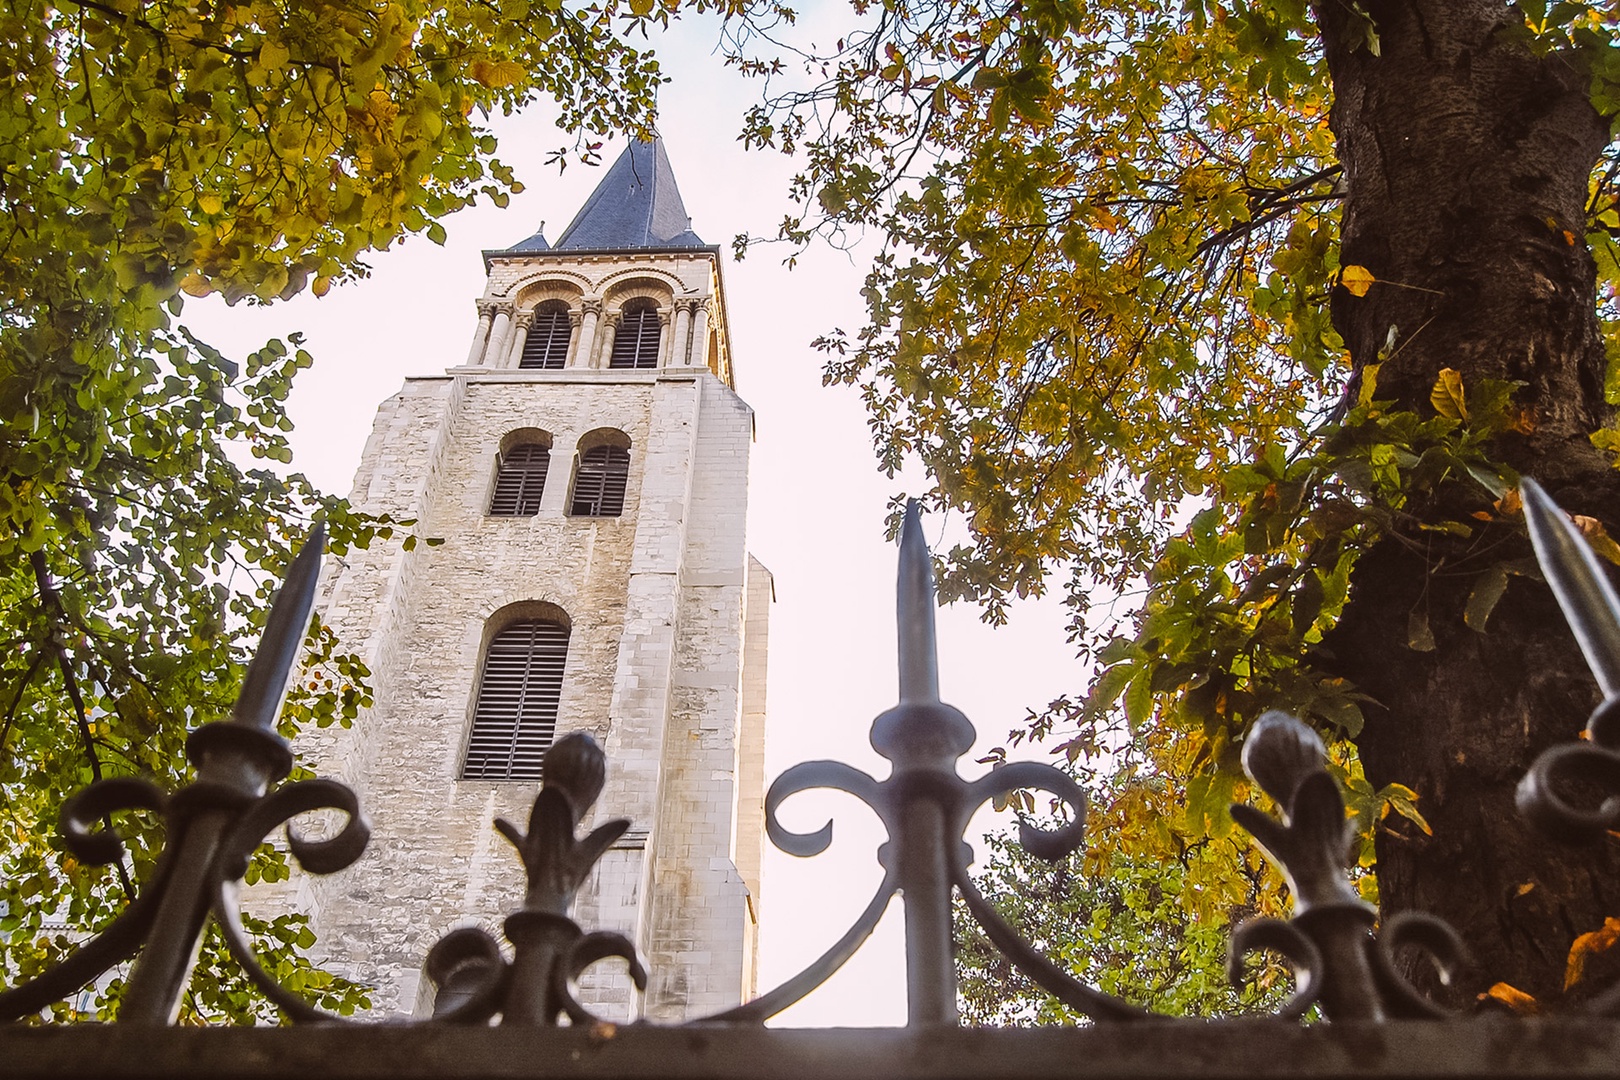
<point x="914" y="610"/>
<point x="284" y="630"/>
<point x="1579" y="583"/>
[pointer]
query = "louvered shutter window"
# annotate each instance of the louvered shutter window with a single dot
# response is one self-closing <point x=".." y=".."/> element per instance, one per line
<point x="546" y="347"/>
<point x="516" y="715"/>
<point x="636" y="345"/>
<point x="599" y="483"/>
<point x="520" y="478"/>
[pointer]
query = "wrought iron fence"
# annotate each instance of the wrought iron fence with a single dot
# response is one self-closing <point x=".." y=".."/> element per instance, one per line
<point x="1342" y="957"/>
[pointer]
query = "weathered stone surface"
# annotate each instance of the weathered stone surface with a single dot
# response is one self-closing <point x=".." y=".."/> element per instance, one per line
<point x="1499" y="1048"/>
<point x="666" y="653"/>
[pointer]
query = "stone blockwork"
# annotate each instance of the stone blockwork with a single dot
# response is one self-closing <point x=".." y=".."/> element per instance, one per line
<point x="666" y="653"/>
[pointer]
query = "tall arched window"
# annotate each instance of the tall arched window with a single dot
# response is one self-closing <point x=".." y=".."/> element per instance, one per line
<point x="520" y="479"/>
<point x="599" y="482"/>
<point x="636" y="345"/>
<point x="515" y="718"/>
<point x="546" y="347"/>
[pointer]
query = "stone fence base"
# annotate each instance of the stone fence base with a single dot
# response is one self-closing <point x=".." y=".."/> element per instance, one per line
<point x="1497" y="1047"/>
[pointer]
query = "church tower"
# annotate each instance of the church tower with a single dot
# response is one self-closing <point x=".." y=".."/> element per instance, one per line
<point x="586" y="470"/>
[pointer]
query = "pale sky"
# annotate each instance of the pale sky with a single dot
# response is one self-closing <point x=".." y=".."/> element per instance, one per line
<point x="816" y="499"/>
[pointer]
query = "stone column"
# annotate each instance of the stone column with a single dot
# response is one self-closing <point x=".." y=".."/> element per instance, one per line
<point x="683" y="331"/>
<point x="499" y="335"/>
<point x="486" y="312"/>
<point x="575" y="318"/>
<point x="520" y="335"/>
<point x="610" y="331"/>
<point x="666" y="346"/>
<point x="700" y="333"/>
<point x="586" y="355"/>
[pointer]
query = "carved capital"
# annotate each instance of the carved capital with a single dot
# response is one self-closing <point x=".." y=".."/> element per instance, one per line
<point x="525" y="319"/>
<point x="591" y="305"/>
<point x="486" y="309"/>
<point x="575" y="317"/>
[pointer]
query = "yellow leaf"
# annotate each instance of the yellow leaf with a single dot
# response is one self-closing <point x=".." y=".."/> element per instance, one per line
<point x="210" y="204"/>
<point x="273" y="56"/>
<point x="1587" y="946"/>
<point x="507" y="73"/>
<point x="1514" y="998"/>
<point x="1369" y="384"/>
<point x="321" y="286"/>
<point x="1510" y="503"/>
<point x="1447" y="397"/>
<point x="1597" y="536"/>
<point x="194" y="284"/>
<point x="1358" y="279"/>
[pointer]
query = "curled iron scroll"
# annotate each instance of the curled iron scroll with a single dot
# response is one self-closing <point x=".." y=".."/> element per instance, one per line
<point x="1083" y="999"/>
<point x="469" y="972"/>
<point x="1445" y="949"/>
<point x="98" y="846"/>
<point x="807" y="776"/>
<point x="318" y="856"/>
<point x="1051" y="845"/>
<point x="1048" y="844"/>
<point x="590" y="949"/>
<point x="91" y="807"/>
<point x="1300" y="951"/>
<point x="1541" y="803"/>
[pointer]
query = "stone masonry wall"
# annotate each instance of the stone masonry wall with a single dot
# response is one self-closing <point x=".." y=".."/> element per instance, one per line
<point x="655" y="599"/>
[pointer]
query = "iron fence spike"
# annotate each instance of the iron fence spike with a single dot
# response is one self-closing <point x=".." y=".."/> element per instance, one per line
<point x="1579" y="583"/>
<point x="284" y="631"/>
<point x="919" y="653"/>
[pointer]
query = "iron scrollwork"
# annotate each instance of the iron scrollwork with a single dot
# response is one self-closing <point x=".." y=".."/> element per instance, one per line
<point x="925" y="806"/>
<point x="1592" y="610"/>
<point x="1344" y="962"/>
<point x="217" y="822"/>
<point x="205" y="853"/>
<point x="1338" y="959"/>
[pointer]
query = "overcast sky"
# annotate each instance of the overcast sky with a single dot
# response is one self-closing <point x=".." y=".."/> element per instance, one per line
<point x="816" y="499"/>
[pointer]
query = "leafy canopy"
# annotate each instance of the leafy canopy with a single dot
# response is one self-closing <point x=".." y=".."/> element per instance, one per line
<point x="1099" y="318"/>
<point x="153" y="151"/>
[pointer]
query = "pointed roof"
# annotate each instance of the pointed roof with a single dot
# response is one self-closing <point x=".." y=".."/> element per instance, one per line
<point x="637" y="205"/>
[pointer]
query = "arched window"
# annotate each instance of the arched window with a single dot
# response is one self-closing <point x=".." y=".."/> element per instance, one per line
<point x="546" y="347"/>
<point x="636" y="344"/>
<point x="520" y="478"/>
<point x="515" y="718"/>
<point x="599" y="482"/>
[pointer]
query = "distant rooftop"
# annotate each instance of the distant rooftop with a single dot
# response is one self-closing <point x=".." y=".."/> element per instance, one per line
<point x="637" y="205"/>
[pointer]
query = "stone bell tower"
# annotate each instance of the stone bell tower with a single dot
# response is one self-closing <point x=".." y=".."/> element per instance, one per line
<point x="586" y="469"/>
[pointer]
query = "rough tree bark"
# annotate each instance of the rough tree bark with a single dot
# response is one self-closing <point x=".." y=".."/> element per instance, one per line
<point x="1467" y="159"/>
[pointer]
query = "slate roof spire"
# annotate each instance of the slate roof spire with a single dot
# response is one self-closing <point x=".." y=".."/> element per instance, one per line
<point x="637" y="205"/>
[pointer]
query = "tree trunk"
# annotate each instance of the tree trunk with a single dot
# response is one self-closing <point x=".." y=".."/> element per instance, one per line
<point x="1467" y="161"/>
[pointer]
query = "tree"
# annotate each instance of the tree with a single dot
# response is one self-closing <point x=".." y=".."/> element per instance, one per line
<point x="1148" y="923"/>
<point x="153" y="151"/>
<point x="1259" y="308"/>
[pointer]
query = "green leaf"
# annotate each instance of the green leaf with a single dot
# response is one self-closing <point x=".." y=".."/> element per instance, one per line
<point x="1139" y="700"/>
<point x="1488" y="589"/>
